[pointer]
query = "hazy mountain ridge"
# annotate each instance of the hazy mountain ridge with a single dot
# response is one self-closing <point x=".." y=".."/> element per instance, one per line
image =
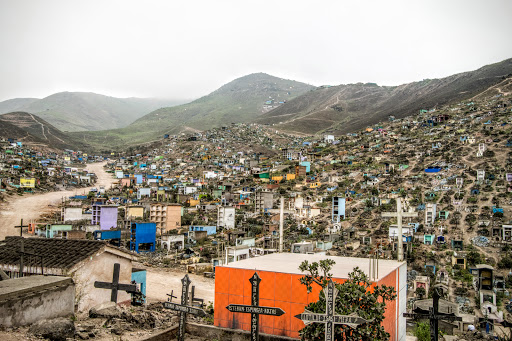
<point x="76" y="111"/>
<point x="346" y="108"/>
<point x="15" y="104"/>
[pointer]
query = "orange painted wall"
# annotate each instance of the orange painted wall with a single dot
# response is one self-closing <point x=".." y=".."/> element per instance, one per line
<point x="281" y="290"/>
<point x="390" y="322"/>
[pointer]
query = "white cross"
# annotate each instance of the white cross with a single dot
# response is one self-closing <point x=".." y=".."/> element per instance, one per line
<point x="441" y="228"/>
<point x="399" y="215"/>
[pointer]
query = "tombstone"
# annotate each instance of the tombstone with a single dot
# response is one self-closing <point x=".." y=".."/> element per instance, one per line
<point x="254" y="309"/>
<point x="183" y="308"/>
<point x="330" y="318"/>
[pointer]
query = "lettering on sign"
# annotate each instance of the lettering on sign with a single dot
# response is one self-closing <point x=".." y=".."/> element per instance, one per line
<point x="254" y="309"/>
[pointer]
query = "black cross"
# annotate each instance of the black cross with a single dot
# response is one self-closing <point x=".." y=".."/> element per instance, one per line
<point x="330" y="318"/>
<point x="183" y="308"/>
<point x="171" y="296"/>
<point x="434" y="316"/>
<point x="254" y="309"/>
<point x="115" y="286"/>
<point x="21" y="226"/>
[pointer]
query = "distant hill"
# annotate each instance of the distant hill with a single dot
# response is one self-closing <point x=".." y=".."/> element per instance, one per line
<point x="15" y="104"/>
<point x="242" y="100"/>
<point x="78" y="111"/>
<point x="31" y="128"/>
<point x="346" y="108"/>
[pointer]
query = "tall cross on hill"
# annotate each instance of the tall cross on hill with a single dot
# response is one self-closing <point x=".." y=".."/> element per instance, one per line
<point x="399" y="215"/>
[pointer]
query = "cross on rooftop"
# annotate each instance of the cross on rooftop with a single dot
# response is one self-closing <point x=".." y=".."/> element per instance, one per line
<point x="115" y="286"/>
<point x="330" y="318"/>
<point x="399" y="215"/>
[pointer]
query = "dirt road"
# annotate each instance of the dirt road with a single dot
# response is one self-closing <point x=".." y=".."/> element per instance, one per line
<point x="163" y="281"/>
<point x="31" y="207"/>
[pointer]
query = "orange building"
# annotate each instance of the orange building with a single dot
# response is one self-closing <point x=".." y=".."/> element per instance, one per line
<point x="280" y="287"/>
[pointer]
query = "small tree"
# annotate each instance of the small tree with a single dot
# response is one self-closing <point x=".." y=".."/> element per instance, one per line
<point x="422" y="331"/>
<point x="421" y="292"/>
<point x="354" y="296"/>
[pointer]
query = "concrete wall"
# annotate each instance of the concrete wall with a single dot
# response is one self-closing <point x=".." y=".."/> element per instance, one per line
<point x="213" y="333"/>
<point x="100" y="268"/>
<point x="72" y="213"/>
<point x="34" y="298"/>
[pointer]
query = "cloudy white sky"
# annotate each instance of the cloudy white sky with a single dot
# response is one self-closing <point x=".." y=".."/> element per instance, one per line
<point x="186" y="49"/>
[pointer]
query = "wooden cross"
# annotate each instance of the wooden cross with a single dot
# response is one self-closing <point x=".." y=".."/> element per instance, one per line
<point x="254" y="309"/>
<point x="330" y="318"/>
<point x="21" y="226"/>
<point x="183" y="308"/>
<point x="115" y="286"/>
<point x="434" y="316"/>
<point x="22" y="257"/>
<point x="399" y="215"/>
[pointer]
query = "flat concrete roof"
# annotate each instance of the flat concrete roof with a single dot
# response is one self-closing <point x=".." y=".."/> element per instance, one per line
<point x="11" y="288"/>
<point x="289" y="263"/>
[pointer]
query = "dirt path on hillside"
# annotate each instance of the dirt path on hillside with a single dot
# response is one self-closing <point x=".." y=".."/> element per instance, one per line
<point x="30" y="207"/>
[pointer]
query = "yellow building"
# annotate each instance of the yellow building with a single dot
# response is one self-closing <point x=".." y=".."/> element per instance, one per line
<point x="27" y="182"/>
<point x="290" y="176"/>
<point x="134" y="212"/>
<point x="315" y="184"/>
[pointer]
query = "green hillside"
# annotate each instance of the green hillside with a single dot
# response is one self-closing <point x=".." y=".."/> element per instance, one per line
<point x="241" y="100"/>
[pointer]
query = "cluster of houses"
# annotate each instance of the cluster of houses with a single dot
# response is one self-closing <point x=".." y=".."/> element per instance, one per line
<point x="243" y="191"/>
<point x="31" y="169"/>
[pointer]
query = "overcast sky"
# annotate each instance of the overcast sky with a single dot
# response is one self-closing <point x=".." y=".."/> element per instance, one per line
<point x="186" y="49"/>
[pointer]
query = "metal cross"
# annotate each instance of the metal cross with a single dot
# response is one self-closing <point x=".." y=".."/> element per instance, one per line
<point x="115" y="286"/>
<point x="433" y="316"/>
<point x="183" y="308"/>
<point x="330" y="318"/>
<point x="399" y="215"/>
<point x="254" y="309"/>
